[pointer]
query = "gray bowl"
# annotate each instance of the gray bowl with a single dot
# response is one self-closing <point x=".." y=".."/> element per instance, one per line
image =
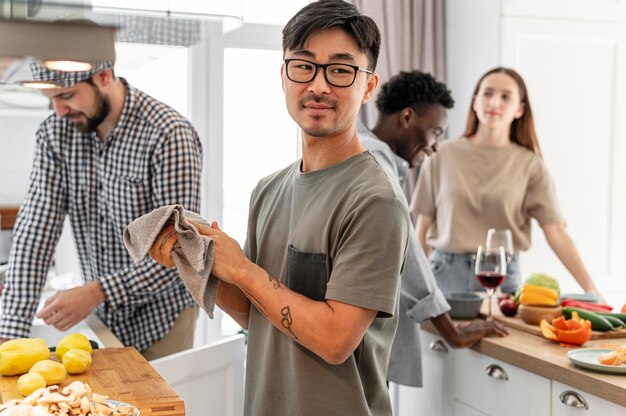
<point x="464" y="305"/>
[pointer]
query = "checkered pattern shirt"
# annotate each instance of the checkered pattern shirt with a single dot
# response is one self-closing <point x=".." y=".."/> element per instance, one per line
<point x="152" y="158"/>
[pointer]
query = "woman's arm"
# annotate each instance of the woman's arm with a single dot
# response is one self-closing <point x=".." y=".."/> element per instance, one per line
<point x="565" y="249"/>
<point x="421" y="226"/>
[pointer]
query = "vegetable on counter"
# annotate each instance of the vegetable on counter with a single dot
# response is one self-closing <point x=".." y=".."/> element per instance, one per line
<point x="595" y="307"/>
<point x="599" y="322"/>
<point x="573" y="331"/>
<point x="538" y="295"/>
<point x="541" y="280"/>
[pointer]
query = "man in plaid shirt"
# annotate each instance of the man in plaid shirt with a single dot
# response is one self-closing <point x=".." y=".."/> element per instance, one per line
<point x="109" y="154"/>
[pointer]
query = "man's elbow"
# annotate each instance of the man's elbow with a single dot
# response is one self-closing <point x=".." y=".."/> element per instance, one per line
<point x="338" y="352"/>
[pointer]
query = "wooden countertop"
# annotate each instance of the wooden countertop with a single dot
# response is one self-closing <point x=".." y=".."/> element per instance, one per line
<point x="548" y="359"/>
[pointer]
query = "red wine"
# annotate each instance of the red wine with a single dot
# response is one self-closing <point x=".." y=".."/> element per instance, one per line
<point x="490" y="279"/>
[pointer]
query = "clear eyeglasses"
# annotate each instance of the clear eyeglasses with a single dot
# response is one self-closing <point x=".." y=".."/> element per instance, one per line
<point x="338" y="75"/>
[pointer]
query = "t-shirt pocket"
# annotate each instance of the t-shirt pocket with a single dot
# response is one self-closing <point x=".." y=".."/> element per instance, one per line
<point x="306" y="273"/>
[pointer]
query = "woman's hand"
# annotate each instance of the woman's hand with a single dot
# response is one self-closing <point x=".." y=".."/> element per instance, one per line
<point x="161" y="249"/>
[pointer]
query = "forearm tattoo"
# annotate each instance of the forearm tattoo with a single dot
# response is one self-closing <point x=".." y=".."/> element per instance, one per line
<point x="287" y="320"/>
<point x="275" y="283"/>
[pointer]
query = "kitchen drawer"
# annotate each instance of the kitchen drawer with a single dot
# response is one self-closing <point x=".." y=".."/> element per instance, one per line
<point x="435" y="397"/>
<point x="461" y="409"/>
<point x="595" y="406"/>
<point x="497" y="388"/>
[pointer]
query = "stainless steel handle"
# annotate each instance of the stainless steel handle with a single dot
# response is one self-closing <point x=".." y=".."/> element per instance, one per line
<point x="495" y="371"/>
<point x="438" y="345"/>
<point x="571" y="398"/>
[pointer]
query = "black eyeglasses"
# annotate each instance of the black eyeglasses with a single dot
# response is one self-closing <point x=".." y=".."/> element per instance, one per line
<point x="338" y="75"/>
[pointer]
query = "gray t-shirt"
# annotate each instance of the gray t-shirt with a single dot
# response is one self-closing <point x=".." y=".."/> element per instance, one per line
<point x="339" y="233"/>
<point x="420" y="297"/>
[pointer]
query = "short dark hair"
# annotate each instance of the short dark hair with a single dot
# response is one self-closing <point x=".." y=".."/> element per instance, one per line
<point x="414" y="89"/>
<point x="327" y="14"/>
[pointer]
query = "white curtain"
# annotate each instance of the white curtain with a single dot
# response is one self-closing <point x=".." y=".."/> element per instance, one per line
<point x="412" y="38"/>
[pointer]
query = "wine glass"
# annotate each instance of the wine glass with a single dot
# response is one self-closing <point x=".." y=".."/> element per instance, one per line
<point x="490" y="270"/>
<point x="500" y="238"/>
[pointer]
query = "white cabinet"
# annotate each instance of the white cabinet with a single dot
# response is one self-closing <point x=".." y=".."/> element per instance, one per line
<point x="496" y="388"/>
<point x="567" y="401"/>
<point x="210" y="379"/>
<point x="464" y="382"/>
<point x="435" y="398"/>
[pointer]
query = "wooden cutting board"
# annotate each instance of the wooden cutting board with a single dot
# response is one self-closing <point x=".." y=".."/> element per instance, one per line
<point x="121" y="374"/>
<point x="517" y="323"/>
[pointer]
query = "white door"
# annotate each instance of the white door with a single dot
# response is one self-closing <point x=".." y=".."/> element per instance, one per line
<point x="210" y="379"/>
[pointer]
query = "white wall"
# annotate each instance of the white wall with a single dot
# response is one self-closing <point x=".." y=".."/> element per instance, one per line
<point x="17" y="145"/>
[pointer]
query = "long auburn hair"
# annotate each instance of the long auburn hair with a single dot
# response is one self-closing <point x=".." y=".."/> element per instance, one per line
<point x="523" y="128"/>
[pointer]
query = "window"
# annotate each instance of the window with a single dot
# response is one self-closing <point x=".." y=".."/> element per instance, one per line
<point x="259" y="136"/>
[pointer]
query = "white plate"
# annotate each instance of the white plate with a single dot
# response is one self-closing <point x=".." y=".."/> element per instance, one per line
<point x="584" y="297"/>
<point x="588" y="358"/>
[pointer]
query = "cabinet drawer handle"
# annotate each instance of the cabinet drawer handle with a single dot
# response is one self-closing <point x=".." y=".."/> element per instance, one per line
<point x="571" y="398"/>
<point x="495" y="371"/>
<point x="438" y="345"/>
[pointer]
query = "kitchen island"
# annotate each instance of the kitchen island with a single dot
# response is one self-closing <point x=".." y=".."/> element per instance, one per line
<point x="519" y="374"/>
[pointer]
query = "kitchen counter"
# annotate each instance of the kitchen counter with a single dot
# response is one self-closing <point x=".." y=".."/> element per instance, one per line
<point x="103" y="332"/>
<point x="547" y="359"/>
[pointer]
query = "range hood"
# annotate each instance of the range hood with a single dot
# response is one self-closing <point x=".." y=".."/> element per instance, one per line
<point x="52" y="30"/>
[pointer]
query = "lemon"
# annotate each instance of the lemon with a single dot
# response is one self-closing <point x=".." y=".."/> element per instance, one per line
<point x="52" y="372"/>
<point x="71" y="342"/>
<point x="76" y="361"/>
<point x="29" y="382"/>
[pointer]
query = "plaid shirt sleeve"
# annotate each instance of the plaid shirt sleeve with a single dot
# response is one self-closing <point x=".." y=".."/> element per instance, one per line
<point x="176" y="170"/>
<point x="36" y="233"/>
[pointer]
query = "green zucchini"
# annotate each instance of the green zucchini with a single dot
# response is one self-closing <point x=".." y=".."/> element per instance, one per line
<point x="598" y="322"/>
<point x="616" y="322"/>
<point x="620" y="316"/>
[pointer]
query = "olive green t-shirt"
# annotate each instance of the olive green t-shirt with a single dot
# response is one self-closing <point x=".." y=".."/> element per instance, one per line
<point x="340" y="233"/>
<point x="468" y="189"/>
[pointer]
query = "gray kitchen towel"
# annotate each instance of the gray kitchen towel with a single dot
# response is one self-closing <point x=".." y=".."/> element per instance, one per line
<point x="192" y="254"/>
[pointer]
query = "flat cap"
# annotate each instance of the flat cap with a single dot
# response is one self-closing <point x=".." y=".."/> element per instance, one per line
<point x="65" y="79"/>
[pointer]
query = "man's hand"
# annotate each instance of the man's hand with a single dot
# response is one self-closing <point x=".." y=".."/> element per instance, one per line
<point x="465" y="334"/>
<point x="66" y="308"/>
<point x="485" y="328"/>
<point x="228" y="257"/>
<point x="161" y="249"/>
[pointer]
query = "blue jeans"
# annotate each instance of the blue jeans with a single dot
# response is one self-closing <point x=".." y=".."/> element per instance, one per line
<point x="454" y="272"/>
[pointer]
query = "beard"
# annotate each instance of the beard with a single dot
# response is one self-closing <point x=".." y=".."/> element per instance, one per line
<point x="91" y="123"/>
<point x="318" y="130"/>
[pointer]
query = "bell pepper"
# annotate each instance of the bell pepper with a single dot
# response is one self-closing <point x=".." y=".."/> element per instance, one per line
<point x="594" y="307"/>
<point x="533" y="298"/>
<point x="624" y="308"/>
<point x="541" y="290"/>
<point x="567" y="332"/>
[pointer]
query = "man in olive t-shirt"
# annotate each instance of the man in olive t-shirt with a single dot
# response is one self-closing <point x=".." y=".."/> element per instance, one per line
<point x="317" y="287"/>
